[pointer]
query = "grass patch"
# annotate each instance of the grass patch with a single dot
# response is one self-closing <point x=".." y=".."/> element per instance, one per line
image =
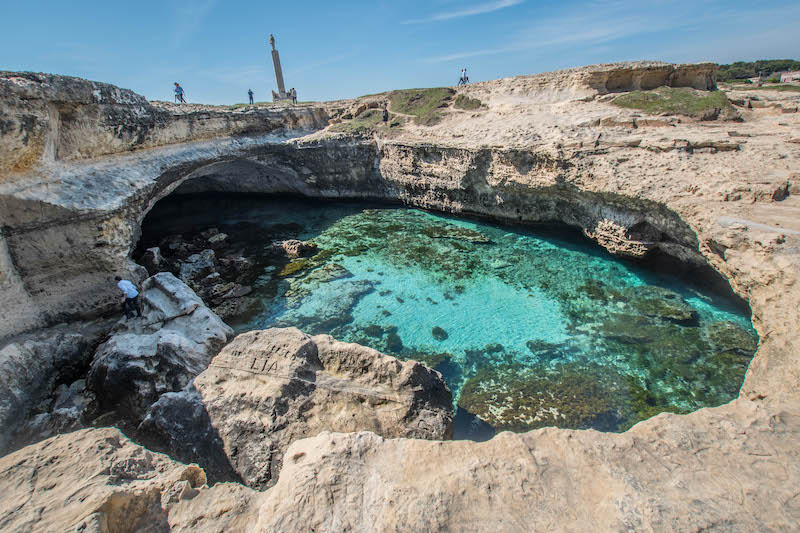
<point x="423" y="104"/>
<point x="674" y="100"/>
<point x="465" y="102"/>
<point x="363" y="123"/>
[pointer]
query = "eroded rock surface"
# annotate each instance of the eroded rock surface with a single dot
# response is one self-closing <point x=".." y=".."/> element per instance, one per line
<point x="32" y="366"/>
<point x="724" y="468"/>
<point x="269" y="388"/>
<point x="160" y="352"/>
<point x="94" y="481"/>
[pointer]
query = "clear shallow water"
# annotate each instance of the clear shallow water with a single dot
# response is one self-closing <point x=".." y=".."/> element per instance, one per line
<point x="529" y="329"/>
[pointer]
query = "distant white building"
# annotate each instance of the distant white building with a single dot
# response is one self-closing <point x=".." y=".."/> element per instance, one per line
<point x="790" y="76"/>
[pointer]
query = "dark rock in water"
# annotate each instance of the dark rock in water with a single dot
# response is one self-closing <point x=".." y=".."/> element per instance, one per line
<point x="439" y="334"/>
<point x="394" y="343"/>
<point x="207" y="234"/>
<point x="198" y="266"/>
<point x="629" y="329"/>
<point x="290" y="228"/>
<point x="373" y="331"/>
<point x="494" y="348"/>
<point x="545" y="352"/>
<point x="577" y="397"/>
<point x="455" y="232"/>
<point x="174" y="247"/>
<point x="662" y="304"/>
<point x="160" y="352"/>
<point x="728" y="337"/>
<point x="238" y="309"/>
<point x="270" y="388"/>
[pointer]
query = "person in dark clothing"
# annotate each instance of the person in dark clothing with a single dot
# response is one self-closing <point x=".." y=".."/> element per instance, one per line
<point x="293" y="93"/>
<point x="179" y="93"/>
<point x="250" y="94"/>
<point x="130" y="297"/>
<point x="385" y="116"/>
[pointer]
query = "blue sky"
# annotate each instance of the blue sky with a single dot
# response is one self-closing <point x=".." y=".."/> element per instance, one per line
<point x="329" y="49"/>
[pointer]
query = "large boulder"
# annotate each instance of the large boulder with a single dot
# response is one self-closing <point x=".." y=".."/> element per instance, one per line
<point x="93" y="481"/>
<point x="161" y="352"/>
<point x="270" y="388"/>
<point x="32" y="366"/>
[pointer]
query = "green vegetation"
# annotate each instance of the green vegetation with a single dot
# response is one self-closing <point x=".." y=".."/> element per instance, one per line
<point x="363" y="123"/>
<point x="672" y="100"/>
<point x="293" y="268"/>
<point x="742" y="69"/>
<point x="424" y="104"/>
<point x="467" y="103"/>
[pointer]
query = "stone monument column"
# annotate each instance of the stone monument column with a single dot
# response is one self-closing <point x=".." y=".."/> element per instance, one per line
<point x="276" y="62"/>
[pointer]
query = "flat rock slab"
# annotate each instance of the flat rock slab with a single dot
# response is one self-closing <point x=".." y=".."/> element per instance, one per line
<point x="268" y="388"/>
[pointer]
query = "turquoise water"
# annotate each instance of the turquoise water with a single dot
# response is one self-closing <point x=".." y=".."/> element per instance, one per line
<point x="529" y="329"/>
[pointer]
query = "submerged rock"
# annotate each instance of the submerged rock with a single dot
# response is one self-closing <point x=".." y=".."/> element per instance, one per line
<point x="455" y="232"/>
<point x="439" y="333"/>
<point x="663" y="304"/>
<point x="575" y="397"/>
<point x="160" y="352"/>
<point x="269" y="388"/>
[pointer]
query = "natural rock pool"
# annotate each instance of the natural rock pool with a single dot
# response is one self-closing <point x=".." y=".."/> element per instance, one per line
<point x="530" y="327"/>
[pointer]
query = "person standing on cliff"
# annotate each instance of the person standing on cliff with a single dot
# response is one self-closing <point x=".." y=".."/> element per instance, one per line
<point x="294" y="95"/>
<point x="130" y="297"/>
<point x="250" y="94"/>
<point x="179" y="93"/>
<point x="385" y="116"/>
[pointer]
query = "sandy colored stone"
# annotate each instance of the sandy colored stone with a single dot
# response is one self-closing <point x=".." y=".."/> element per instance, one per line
<point x="269" y="388"/>
<point x="93" y="480"/>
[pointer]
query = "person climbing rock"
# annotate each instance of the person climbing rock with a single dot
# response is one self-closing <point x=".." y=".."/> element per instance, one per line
<point x="250" y="94"/>
<point x="179" y="93"/>
<point x="385" y="116"/>
<point x="130" y="297"/>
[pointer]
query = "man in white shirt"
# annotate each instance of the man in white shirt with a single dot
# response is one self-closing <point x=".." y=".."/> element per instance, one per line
<point x="129" y="298"/>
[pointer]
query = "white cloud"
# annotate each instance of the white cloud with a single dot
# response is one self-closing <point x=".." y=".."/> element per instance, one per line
<point x="590" y="29"/>
<point x="468" y="12"/>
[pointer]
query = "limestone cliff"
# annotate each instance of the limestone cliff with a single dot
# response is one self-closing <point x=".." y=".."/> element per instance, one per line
<point x="546" y="147"/>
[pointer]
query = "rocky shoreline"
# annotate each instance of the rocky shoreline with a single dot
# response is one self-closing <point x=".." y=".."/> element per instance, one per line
<point x="690" y="190"/>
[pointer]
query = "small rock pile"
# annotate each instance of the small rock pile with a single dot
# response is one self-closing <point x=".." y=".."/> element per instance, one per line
<point x="220" y="271"/>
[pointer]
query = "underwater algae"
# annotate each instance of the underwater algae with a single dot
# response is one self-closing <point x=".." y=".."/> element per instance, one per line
<point x="530" y="329"/>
